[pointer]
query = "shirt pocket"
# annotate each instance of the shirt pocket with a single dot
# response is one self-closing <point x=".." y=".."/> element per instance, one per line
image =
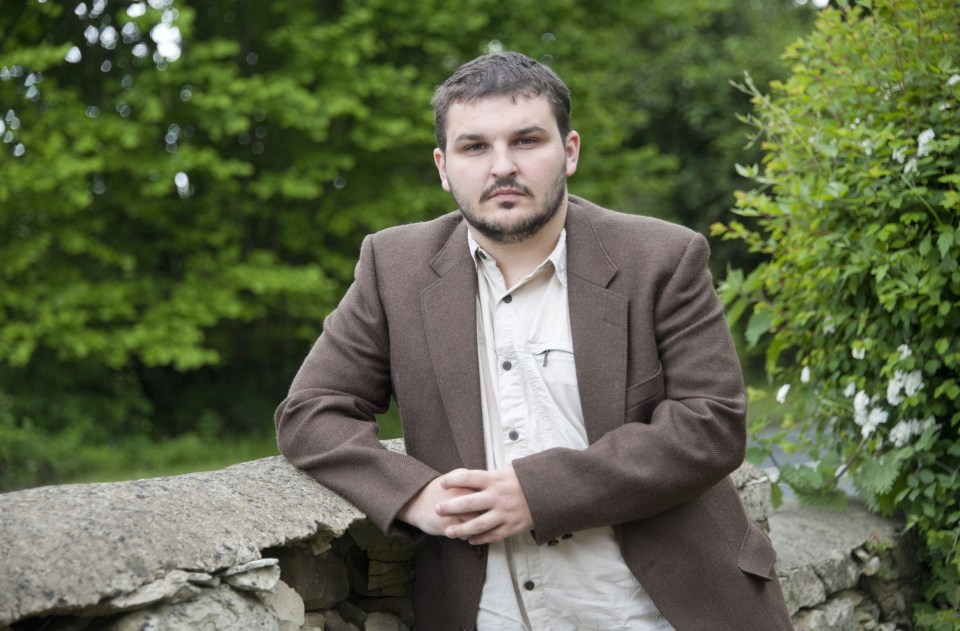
<point x="554" y="361"/>
<point x="643" y="397"/>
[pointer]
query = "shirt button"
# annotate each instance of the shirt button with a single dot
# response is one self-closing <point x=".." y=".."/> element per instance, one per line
<point x="529" y="585"/>
<point x="513" y="435"/>
<point x="508" y="298"/>
<point x="553" y="542"/>
<point x="507" y="365"/>
<point x="567" y="536"/>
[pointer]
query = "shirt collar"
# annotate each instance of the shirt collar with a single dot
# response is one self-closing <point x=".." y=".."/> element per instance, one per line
<point x="558" y="257"/>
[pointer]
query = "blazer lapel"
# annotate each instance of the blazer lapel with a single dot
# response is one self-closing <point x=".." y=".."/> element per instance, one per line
<point x="598" y="321"/>
<point x="450" y="316"/>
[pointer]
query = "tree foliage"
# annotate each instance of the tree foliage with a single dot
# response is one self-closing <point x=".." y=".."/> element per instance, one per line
<point x="185" y="183"/>
<point x="857" y="211"/>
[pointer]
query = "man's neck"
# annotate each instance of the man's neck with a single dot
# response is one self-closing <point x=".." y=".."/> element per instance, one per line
<point x="517" y="260"/>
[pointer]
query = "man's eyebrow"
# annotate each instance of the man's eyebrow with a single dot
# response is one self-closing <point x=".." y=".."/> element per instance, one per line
<point x="526" y="131"/>
<point x="468" y="138"/>
<point x="533" y="129"/>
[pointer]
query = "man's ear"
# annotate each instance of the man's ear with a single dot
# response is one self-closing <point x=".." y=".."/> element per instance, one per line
<point x="441" y="161"/>
<point x="572" y="149"/>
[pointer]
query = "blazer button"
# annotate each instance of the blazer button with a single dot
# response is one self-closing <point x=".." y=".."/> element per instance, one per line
<point x="478" y="551"/>
<point x="553" y="542"/>
<point x="529" y="585"/>
<point x="513" y="435"/>
<point x="507" y="365"/>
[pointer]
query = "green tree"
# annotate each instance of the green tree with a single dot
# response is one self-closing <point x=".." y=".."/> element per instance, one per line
<point x="185" y="183"/>
<point x="857" y="212"/>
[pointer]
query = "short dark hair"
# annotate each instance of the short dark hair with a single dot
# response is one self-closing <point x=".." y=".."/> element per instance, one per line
<point x="500" y="74"/>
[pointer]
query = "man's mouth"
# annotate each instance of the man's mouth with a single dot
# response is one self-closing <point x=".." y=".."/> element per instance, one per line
<point x="507" y="191"/>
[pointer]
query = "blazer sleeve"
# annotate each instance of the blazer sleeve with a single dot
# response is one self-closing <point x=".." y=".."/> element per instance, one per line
<point x="696" y="434"/>
<point x="327" y="424"/>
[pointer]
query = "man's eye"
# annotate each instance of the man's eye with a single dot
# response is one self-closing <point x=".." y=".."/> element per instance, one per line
<point x="473" y="147"/>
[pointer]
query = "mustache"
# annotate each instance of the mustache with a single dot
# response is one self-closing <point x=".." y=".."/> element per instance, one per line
<point x="507" y="183"/>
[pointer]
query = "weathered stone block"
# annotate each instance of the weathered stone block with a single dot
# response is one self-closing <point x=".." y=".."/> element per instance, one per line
<point x="261" y="575"/>
<point x="352" y="614"/>
<point x="218" y="608"/>
<point x="112" y="539"/>
<point x="802" y="588"/>
<point x="320" y="581"/>
<point x="287" y="605"/>
<point x="382" y="575"/>
<point x="402" y="608"/>
<point x="335" y="622"/>
<point x="755" y="493"/>
<point x="833" y="615"/>
<point x="837" y="571"/>
<point x="314" y="620"/>
<point x="384" y="622"/>
<point x="893" y="597"/>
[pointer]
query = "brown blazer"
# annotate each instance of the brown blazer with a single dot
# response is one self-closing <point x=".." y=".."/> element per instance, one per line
<point x="662" y="395"/>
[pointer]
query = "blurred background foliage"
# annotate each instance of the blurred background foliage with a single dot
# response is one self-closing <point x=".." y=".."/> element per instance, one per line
<point x="184" y="185"/>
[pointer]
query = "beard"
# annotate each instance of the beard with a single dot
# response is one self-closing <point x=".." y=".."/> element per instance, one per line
<point x="513" y="229"/>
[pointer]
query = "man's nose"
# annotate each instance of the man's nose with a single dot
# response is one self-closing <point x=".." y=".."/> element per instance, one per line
<point x="503" y="165"/>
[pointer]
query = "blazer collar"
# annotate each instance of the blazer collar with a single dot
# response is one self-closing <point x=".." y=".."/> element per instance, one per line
<point x="598" y="320"/>
<point x="586" y="256"/>
<point x="590" y="263"/>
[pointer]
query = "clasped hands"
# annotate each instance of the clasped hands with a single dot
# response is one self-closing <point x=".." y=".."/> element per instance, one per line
<point x="474" y="505"/>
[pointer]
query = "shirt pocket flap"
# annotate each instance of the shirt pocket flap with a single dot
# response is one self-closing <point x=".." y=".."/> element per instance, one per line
<point x="540" y="347"/>
<point x="757" y="555"/>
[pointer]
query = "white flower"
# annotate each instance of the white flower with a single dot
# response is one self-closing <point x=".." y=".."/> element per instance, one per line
<point x="903" y="431"/>
<point x="894" y="387"/>
<point x="858" y="352"/>
<point x="910" y="166"/>
<point x="913" y="383"/>
<point x="850" y="390"/>
<point x="782" y="393"/>
<point x="805" y="375"/>
<point x="878" y="416"/>
<point x="904" y="351"/>
<point x="860" y="403"/>
<point x="923" y="142"/>
<point x="900" y="154"/>
<point x="953" y="80"/>
<point x="875" y="418"/>
<point x="828" y="326"/>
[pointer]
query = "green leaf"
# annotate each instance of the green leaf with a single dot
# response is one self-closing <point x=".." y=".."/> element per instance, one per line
<point x="760" y="322"/>
<point x="877" y="475"/>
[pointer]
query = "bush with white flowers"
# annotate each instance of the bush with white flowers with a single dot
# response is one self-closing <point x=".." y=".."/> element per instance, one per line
<point x="856" y="212"/>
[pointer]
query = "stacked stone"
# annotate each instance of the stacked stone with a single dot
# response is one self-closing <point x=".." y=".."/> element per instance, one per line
<point x="262" y="546"/>
<point x="844" y="571"/>
<point x="359" y="582"/>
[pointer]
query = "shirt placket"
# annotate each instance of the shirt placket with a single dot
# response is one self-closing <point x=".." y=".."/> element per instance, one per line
<point x="512" y="404"/>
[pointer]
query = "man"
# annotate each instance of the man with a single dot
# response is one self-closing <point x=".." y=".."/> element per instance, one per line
<point x="571" y="400"/>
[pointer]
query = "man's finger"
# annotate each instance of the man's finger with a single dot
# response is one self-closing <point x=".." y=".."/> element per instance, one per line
<point x="465" y="478"/>
<point x="473" y="503"/>
<point x="472" y="528"/>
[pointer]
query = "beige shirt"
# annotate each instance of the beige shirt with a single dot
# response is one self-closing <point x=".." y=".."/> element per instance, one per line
<point x="531" y="403"/>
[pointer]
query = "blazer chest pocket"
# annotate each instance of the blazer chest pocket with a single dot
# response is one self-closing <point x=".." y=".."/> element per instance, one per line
<point x="643" y="397"/>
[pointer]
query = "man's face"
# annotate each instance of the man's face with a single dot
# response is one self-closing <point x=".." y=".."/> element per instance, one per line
<point x="506" y="165"/>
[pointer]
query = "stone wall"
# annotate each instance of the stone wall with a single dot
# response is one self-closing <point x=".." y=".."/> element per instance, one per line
<point x="261" y="546"/>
